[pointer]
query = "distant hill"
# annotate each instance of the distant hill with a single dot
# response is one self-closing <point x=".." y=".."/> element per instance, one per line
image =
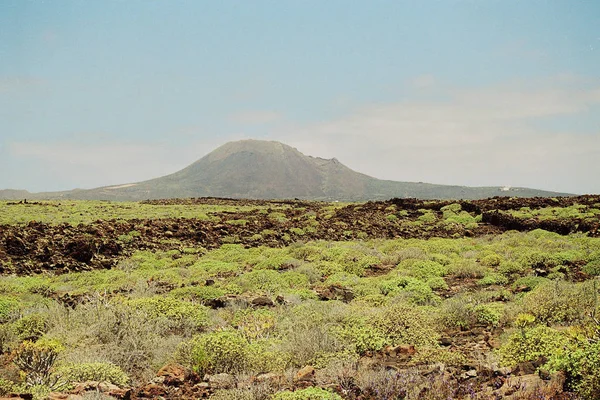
<point x="257" y="169"/>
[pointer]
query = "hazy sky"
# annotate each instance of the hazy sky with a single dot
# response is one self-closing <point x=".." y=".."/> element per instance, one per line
<point x="471" y="92"/>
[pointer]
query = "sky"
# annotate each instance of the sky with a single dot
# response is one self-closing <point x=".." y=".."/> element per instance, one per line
<point x="463" y="92"/>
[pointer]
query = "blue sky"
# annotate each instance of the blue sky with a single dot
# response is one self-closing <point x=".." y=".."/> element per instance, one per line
<point x="469" y="92"/>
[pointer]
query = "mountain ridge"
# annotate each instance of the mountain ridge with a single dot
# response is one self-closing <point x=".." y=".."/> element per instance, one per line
<point x="258" y="169"/>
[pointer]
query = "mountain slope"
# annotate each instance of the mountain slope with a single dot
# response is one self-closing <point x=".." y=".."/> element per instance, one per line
<point x="258" y="169"/>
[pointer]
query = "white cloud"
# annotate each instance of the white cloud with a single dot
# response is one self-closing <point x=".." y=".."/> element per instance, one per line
<point x="484" y="136"/>
<point x="255" y="117"/>
<point x="17" y="84"/>
<point x="89" y="165"/>
<point x="496" y="135"/>
<point x="423" y="81"/>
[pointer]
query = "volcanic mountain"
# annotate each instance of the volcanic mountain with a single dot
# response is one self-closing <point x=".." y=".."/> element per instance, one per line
<point x="257" y="169"/>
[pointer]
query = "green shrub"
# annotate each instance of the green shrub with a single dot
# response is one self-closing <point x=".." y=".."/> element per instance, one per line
<point x="311" y="393"/>
<point x="466" y="268"/>
<point x="583" y="369"/>
<point x="412" y="289"/>
<point x="180" y="313"/>
<point x="529" y="344"/>
<point x="466" y="311"/>
<point x="311" y="272"/>
<point x="342" y="279"/>
<point x="529" y="282"/>
<point x="441" y="259"/>
<point x="31" y="327"/>
<point x="8" y="308"/>
<point x="423" y="269"/>
<point x="509" y="268"/>
<point x="215" y="268"/>
<point x="560" y="302"/>
<point x="277" y="217"/>
<point x="434" y="355"/>
<point x="273" y="259"/>
<point x="237" y="222"/>
<point x="403" y="323"/>
<point x="200" y="293"/>
<point x="493" y="279"/>
<point x="592" y="268"/>
<point x="95" y="371"/>
<point x="298" y="231"/>
<point x="307" y="332"/>
<point x="272" y="281"/>
<point x="362" y="336"/>
<point x="489" y="314"/>
<point x="491" y="260"/>
<point x="7" y="387"/>
<point x="36" y="360"/>
<point x="265" y="355"/>
<point x="254" y="324"/>
<point x="221" y="351"/>
<point x="437" y="283"/>
<point x="538" y="259"/>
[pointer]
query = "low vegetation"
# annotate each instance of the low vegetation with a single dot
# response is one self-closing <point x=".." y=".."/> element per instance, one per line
<point x="378" y="318"/>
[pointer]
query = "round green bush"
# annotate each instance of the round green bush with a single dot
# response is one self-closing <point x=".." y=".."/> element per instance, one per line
<point x="531" y="344"/>
<point x="8" y="308"/>
<point x="178" y="312"/>
<point x="403" y="323"/>
<point x="95" y="371"/>
<point x="222" y="351"/>
<point x="311" y="393"/>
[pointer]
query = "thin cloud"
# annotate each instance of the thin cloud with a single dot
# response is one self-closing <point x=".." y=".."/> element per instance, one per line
<point x="88" y="165"/>
<point x="19" y="84"/>
<point x="255" y="117"/>
<point x="423" y="81"/>
<point x="483" y="136"/>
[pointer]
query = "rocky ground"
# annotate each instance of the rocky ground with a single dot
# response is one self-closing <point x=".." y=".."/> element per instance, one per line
<point x="38" y="247"/>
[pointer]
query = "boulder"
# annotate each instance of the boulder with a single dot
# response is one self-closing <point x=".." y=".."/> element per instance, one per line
<point x="306" y="374"/>
<point x="524" y="368"/>
<point x="152" y="391"/>
<point x="221" y="381"/>
<point x="269" y="377"/>
<point x="262" y="301"/>
<point x="64" y="396"/>
<point x="173" y="374"/>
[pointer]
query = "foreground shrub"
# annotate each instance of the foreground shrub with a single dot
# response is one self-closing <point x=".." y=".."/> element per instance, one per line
<point x="311" y="393"/>
<point x="412" y="289"/>
<point x="216" y="352"/>
<point x="529" y="344"/>
<point x="181" y="314"/>
<point x="423" y="269"/>
<point x="403" y="323"/>
<point x="35" y="360"/>
<point x="199" y="293"/>
<point x="265" y="356"/>
<point x="434" y="355"/>
<point x="466" y="269"/>
<point x="560" y="302"/>
<point x="31" y="327"/>
<point x="254" y="324"/>
<point x="466" y="311"/>
<point x="261" y="391"/>
<point x="96" y="371"/>
<point x="8" y="308"/>
<point x="362" y="336"/>
<point x="493" y="279"/>
<point x="7" y="387"/>
<point x="583" y="368"/>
